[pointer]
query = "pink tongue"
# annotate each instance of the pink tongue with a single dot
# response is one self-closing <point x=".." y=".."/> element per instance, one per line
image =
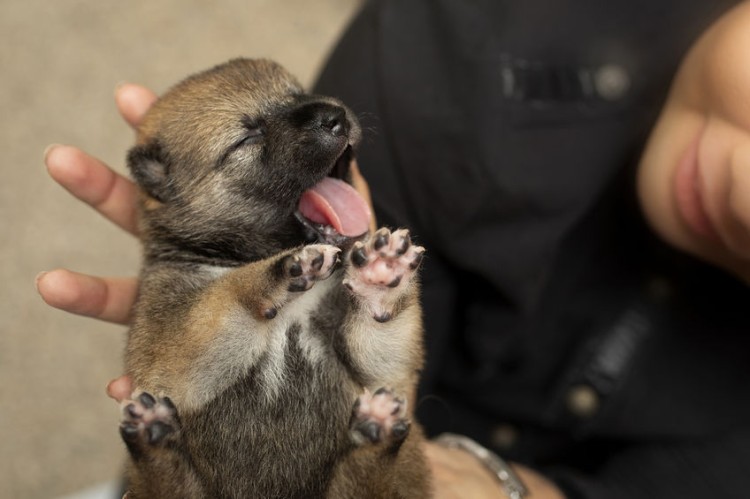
<point x="334" y="202"/>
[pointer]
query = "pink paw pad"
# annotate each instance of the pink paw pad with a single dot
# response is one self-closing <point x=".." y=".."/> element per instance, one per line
<point x="147" y="420"/>
<point x="381" y="266"/>
<point x="378" y="416"/>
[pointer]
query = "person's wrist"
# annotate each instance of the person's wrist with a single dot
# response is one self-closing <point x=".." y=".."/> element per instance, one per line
<point x="509" y="481"/>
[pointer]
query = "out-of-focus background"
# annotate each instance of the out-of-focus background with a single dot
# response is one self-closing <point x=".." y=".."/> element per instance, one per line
<point x="59" y="64"/>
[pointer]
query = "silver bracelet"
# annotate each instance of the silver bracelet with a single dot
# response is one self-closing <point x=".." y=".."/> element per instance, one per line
<point x="510" y="481"/>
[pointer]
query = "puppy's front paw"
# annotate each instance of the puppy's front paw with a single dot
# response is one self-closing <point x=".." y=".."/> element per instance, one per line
<point x="294" y="273"/>
<point x="379" y="417"/>
<point x="147" y="421"/>
<point x="312" y="263"/>
<point x="381" y="268"/>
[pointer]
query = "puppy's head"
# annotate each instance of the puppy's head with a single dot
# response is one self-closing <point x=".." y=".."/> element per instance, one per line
<point x="237" y="162"/>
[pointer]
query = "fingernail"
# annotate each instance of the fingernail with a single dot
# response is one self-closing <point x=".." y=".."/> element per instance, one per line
<point x="109" y="388"/>
<point x="48" y="150"/>
<point x="39" y="277"/>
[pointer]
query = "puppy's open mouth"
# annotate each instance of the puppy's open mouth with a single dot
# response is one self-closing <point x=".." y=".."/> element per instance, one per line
<point x="332" y="211"/>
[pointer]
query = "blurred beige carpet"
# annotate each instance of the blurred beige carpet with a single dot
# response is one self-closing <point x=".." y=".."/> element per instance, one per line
<point x="59" y="63"/>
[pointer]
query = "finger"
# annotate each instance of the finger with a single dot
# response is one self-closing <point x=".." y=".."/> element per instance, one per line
<point x="361" y="186"/>
<point x="448" y="459"/>
<point x="435" y="453"/>
<point x="93" y="182"/>
<point x="120" y="388"/>
<point x="106" y="298"/>
<point x="133" y="101"/>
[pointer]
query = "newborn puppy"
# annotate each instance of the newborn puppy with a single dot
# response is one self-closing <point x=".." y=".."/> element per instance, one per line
<point x="274" y="341"/>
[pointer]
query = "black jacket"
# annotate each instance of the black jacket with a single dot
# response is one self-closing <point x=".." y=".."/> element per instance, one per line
<point x="559" y="330"/>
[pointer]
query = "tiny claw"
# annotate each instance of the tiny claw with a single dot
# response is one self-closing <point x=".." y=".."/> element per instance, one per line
<point x="384" y="317"/>
<point x="318" y="261"/>
<point x="168" y="402"/>
<point x="400" y="430"/>
<point x="131" y="410"/>
<point x="299" y="286"/>
<point x="381" y="239"/>
<point x="158" y="431"/>
<point x="359" y="256"/>
<point x="147" y="400"/>
<point x="400" y="402"/>
<point x="394" y="283"/>
<point x="295" y="269"/>
<point x="371" y="430"/>
<point x="128" y="432"/>
<point x="417" y="260"/>
<point x="405" y="244"/>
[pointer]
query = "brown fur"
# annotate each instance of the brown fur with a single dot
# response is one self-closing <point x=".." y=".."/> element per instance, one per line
<point x="263" y="378"/>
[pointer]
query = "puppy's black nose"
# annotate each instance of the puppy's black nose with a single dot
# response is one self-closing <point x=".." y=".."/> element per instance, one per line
<point x="323" y="116"/>
<point x="334" y="120"/>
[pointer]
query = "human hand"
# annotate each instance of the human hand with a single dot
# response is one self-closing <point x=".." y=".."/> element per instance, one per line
<point x="113" y="196"/>
<point x="457" y="474"/>
<point x="694" y="176"/>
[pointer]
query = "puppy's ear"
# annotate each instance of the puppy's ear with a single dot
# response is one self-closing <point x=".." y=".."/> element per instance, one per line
<point x="149" y="166"/>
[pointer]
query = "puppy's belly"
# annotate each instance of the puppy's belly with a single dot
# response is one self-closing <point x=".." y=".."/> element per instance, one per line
<point x="262" y="349"/>
<point x="290" y="439"/>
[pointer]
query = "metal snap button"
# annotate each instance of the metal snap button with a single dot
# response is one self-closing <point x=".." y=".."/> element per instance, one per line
<point x="583" y="401"/>
<point x="611" y="82"/>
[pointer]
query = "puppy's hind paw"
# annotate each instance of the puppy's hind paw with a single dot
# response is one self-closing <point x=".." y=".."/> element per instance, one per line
<point x="147" y="421"/>
<point x="379" y="417"/>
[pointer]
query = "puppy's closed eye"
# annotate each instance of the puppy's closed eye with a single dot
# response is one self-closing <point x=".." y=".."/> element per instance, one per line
<point x="255" y="130"/>
<point x="254" y="134"/>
